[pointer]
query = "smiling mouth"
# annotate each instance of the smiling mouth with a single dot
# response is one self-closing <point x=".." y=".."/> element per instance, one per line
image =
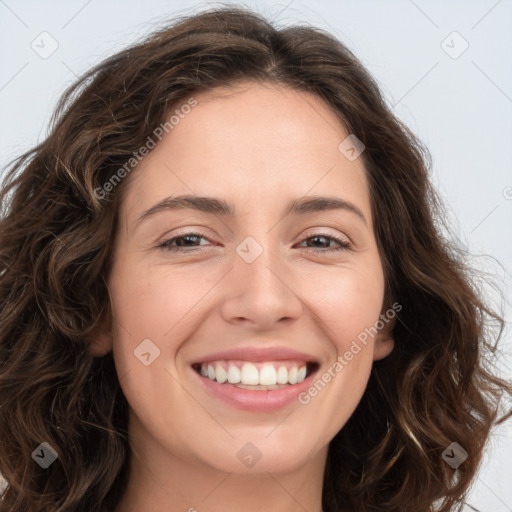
<point x="258" y="376"/>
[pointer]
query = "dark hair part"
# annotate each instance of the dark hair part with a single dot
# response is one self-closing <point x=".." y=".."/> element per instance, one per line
<point x="56" y="240"/>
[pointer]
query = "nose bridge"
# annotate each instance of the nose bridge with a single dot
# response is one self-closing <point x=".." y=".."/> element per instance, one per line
<point x="260" y="270"/>
<point x="261" y="287"/>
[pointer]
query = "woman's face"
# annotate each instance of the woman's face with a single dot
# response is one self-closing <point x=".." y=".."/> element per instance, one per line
<point x="254" y="292"/>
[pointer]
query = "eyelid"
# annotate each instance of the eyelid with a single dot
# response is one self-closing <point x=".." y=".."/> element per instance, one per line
<point x="343" y="244"/>
<point x="324" y="231"/>
<point x="162" y="244"/>
<point x="184" y="231"/>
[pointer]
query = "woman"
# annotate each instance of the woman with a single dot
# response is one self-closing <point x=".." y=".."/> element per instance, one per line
<point x="223" y="288"/>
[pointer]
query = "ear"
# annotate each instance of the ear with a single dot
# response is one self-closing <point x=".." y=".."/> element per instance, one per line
<point x="100" y="345"/>
<point x="384" y="340"/>
<point x="101" y="342"/>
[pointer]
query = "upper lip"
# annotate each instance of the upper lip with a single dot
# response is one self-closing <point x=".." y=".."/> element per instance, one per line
<point x="258" y="354"/>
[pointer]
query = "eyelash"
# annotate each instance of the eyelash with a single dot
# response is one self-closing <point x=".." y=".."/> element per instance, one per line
<point x="165" y="245"/>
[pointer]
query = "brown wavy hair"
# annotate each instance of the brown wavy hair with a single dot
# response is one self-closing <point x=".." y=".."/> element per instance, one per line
<point x="56" y="240"/>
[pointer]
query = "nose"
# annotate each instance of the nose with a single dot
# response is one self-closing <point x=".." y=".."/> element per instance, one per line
<point x="262" y="295"/>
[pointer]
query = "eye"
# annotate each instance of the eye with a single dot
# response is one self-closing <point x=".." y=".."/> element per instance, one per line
<point x="189" y="242"/>
<point x="322" y="241"/>
<point x="182" y="242"/>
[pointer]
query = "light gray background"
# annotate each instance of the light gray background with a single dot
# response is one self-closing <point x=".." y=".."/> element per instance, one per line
<point x="460" y="107"/>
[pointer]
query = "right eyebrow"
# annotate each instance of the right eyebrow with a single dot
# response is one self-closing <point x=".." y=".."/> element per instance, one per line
<point x="202" y="204"/>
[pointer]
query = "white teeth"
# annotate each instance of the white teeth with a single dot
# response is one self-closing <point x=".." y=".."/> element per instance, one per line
<point x="220" y="374"/>
<point x="270" y="375"/>
<point x="282" y="375"/>
<point x="233" y="374"/>
<point x="249" y="374"/>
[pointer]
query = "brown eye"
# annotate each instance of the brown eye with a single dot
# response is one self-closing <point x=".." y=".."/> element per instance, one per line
<point x="321" y="243"/>
<point x="182" y="241"/>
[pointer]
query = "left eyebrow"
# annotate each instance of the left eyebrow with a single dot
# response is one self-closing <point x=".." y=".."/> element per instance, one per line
<point x="301" y="206"/>
<point x="308" y="204"/>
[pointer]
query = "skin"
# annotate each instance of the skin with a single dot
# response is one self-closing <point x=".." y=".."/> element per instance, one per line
<point x="257" y="147"/>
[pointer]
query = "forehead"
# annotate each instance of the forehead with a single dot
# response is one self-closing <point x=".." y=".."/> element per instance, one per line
<point x="262" y="120"/>
<point x="252" y="142"/>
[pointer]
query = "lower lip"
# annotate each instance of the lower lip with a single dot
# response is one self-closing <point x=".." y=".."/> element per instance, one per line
<point x="254" y="400"/>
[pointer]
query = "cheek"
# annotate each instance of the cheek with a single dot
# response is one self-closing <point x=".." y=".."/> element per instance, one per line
<point x="143" y="309"/>
<point x="347" y="301"/>
<point x="347" y="307"/>
<point x="157" y="303"/>
<point x="153" y="314"/>
<point x="152" y="301"/>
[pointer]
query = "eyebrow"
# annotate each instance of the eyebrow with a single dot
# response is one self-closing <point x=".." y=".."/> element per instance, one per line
<point x="301" y="206"/>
